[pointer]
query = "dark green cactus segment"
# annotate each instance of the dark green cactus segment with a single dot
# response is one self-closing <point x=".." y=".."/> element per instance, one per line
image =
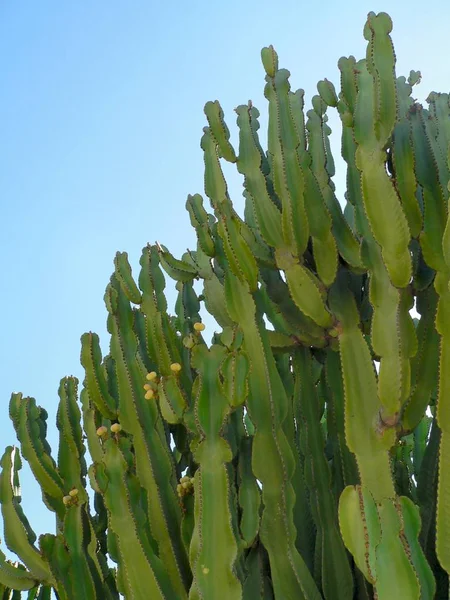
<point x="30" y="425"/>
<point x="219" y="129"/>
<point x="425" y="364"/>
<point x="403" y="160"/>
<point x="71" y="461"/>
<point x="427" y="175"/>
<point x="336" y="576"/>
<point x="319" y="214"/>
<point x="18" y="534"/>
<point x="345" y="470"/>
<point x="124" y="275"/>
<point x="201" y="221"/>
<point x="249" y="494"/>
<point x="286" y="169"/>
<point x="95" y="380"/>
<point x="251" y="164"/>
<point x="55" y="553"/>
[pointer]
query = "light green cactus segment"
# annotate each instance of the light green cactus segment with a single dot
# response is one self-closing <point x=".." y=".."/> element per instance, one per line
<point x="396" y="576"/>
<point x="17" y="532"/>
<point x="385" y="332"/>
<point x="124" y="275"/>
<point x="15" y="577"/>
<point x="219" y="129"/>
<point x="55" y="553"/>
<point x="372" y="118"/>
<point x="360" y="526"/>
<point x="405" y="178"/>
<point x="85" y="579"/>
<point x="425" y="364"/>
<point x="411" y="528"/>
<point x="336" y="576"/>
<point x="213" y="557"/>
<point x="347" y="244"/>
<point x="250" y="163"/>
<point x="303" y="288"/>
<point x="179" y="270"/>
<point x="214" y="294"/>
<point x="30" y="428"/>
<point x="138" y="416"/>
<point x="121" y="492"/>
<point x="71" y="462"/>
<point x="95" y="380"/>
<point x="201" y="222"/>
<point x="344" y="464"/>
<point x="278" y="293"/>
<point x="435" y="206"/>
<point x="249" y="494"/>
<point x="364" y="435"/>
<point x="272" y="460"/>
<point x="171" y="399"/>
<point x="287" y="173"/>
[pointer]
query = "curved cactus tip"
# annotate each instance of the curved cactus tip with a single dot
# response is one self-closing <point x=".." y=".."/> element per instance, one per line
<point x="327" y="92"/>
<point x="270" y="60"/>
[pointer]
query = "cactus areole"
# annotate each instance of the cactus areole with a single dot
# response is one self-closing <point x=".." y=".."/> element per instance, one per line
<point x="301" y="451"/>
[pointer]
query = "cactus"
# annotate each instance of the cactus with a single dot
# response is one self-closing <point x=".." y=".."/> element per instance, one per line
<point x="302" y="450"/>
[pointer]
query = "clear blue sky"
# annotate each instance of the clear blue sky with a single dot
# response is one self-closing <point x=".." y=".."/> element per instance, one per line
<point x="101" y="113"/>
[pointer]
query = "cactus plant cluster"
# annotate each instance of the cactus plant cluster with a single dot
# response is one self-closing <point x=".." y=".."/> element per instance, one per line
<point x="302" y="451"/>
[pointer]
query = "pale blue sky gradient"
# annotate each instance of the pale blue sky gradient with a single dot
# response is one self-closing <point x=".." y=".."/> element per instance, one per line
<point x="101" y="114"/>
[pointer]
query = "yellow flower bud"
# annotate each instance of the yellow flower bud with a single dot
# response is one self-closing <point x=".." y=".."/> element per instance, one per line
<point x="67" y="500"/>
<point x="149" y="394"/>
<point x="147" y="386"/>
<point x="101" y="431"/>
<point x="151" y="376"/>
<point x="199" y="326"/>
<point x="175" y="367"/>
<point x="116" y="427"/>
<point x="73" y="493"/>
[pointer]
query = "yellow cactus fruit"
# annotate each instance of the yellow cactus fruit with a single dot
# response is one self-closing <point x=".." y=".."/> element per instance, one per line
<point x="199" y="326"/>
<point x="147" y="386"/>
<point x="116" y="427"/>
<point x="67" y="500"/>
<point x="149" y="394"/>
<point x="175" y="367"/>
<point x="151" y="376"/>
<point x="73" y="493"/>
<point x="101" y="431"/>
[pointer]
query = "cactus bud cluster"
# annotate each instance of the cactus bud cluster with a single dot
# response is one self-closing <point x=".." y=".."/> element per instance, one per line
<point x="186" y="486"/>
